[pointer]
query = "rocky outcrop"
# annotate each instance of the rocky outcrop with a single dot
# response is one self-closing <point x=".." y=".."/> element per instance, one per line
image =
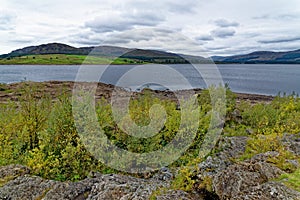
<point x="12" y="171"/>
<point x="177" y="194"/>
<point x="231" y="179"/>
<point x="229" y="149"/>
<point x="267" y="191"/>
<point x="251" y="179"/>
<point x="292" y="142"/>
<point x="21" y="185"/>
<point x="123" y="187"/>
<point x="241" y="177"/>
<point x="26" y="187"/>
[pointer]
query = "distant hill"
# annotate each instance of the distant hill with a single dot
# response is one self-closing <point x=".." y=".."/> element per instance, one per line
<point x="154" y="56"/>
<point x="58" y="48"/>
<point x="267" y="57"/>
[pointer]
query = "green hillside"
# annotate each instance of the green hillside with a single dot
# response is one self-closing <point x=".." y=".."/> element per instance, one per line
<point x="64" y="59"/>
<point x="57" y="53"/>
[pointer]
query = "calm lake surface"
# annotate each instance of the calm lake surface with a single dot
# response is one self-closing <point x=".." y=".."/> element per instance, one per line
<point x="245" y="78"/>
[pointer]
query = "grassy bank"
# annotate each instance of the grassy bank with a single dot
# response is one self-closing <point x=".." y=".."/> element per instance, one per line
<point x="64" y="59"/>
<point x="40" y="133"/>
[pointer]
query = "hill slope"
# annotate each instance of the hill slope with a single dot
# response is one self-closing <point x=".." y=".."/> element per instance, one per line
<point x="58" y="48"/>
<point x="154" y="56"/>
<point x="267" y="57"/>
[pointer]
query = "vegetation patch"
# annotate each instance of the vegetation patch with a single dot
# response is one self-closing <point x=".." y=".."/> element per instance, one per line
<point x="6" y="179"/>
<point x="40" y="133"/>
<point x="65" y="59"/>
<point x="291" y="180"/>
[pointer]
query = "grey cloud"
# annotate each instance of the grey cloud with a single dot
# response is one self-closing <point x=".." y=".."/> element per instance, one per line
<point x="139" y="35"/>
<point x="85" y="42"/>
<point x="223" y="33"/>
<point x="7" y="21"/>
<point x="266" y="16"/>
<point x="164" y="31"/>
<point x="127" y="37"/>
<point x="225" y="23"/>
<point x="183" y="7"/>
<point x="114" y="41"/>
<point x="288" y="16"/>
<point x="148" y="38"/>
<point x="52" y="21"/>
<point x="113" y="38"/>
<point x="217" y="48"/>
<point x="204" y="38"/>
<point x="85" y="38"/>
<point x="172" y="6"/>
<point x="251" y="34"/>
<point x="22" y="40"/>
<point x="101" y="26"/>
<point x="279" y="40"/>
<point x="229" y="50"/>
<point x="124" y="21"/>
<point x="282" y="16"/>
<point x="143" y="18"/>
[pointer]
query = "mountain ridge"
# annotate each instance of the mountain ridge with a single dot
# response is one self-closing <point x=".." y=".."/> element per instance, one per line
<point x="262" y="57"/>
<point x="146" y="55"/>
<point x="157" y="56"/>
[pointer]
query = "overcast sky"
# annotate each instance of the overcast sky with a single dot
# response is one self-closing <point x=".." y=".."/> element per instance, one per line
<point x="215" y="27"/>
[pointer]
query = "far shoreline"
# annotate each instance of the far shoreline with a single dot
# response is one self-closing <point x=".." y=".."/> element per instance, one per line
<point x="145" y="63"/>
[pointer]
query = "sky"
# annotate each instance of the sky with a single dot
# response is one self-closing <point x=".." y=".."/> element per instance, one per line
<point x="197" y="27"/>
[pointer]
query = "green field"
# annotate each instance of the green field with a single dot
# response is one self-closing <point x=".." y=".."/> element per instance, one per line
<point x="64" y="59"/>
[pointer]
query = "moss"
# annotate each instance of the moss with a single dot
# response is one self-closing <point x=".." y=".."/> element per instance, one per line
<point x="206" y="184"/>
<point x="43" y="194"/>
<point x="264" y="143"/>
<point x="281" y="161"/>
<point x="157" y="192"/>
<point x="186" y="179"/>
<point x="6" y="179"/>
<point x="291" y="180"/>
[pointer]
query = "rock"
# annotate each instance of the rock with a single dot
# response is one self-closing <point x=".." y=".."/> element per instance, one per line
<point x="269" y="190"/>
<point x="230" y="148"/>
<point x="239" y="178"/>
<point x="70" y="190"/>
<point x="263" y="157"/>
<point x="251" y="179"/>
<point x="177" y="194"/>
<point x="294" y="163"/>
<point x="234" y="146"/>
<point x="98" y="187"/>
<point x="249" y="131"/>
<point x="26" y="187"/>
<point x="236" y="115"/>
<point x="13" y="171"/>
<point x="292" y="142"/>
<point x="123" y="187"/>
<point x="164" y="174"/>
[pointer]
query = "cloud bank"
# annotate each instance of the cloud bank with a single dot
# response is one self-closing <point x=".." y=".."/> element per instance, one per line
<point x="217" y="27"/>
